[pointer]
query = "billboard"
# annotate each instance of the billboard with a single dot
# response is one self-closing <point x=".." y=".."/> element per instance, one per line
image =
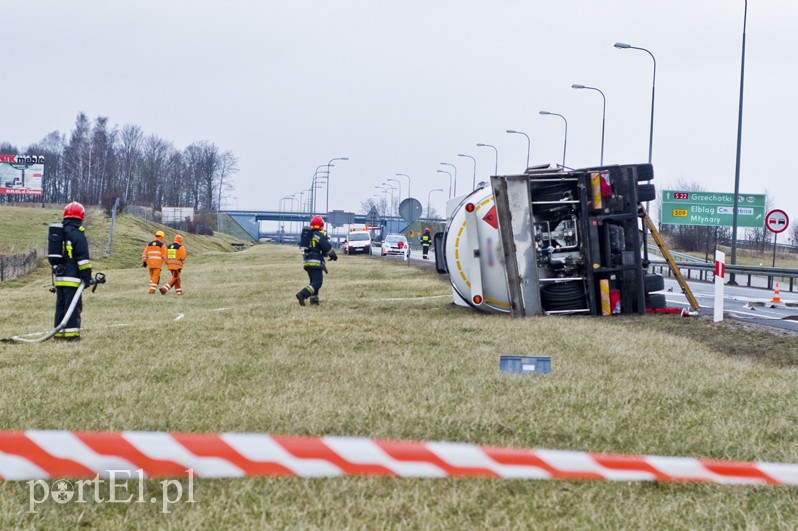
<point x="21" y="174"/>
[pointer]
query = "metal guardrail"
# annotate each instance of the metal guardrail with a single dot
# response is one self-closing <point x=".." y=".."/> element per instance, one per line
<point x="706" y="272"/>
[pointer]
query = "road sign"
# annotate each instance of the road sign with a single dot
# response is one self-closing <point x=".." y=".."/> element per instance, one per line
<point x="712" y="209"/>
<point x="777" y="221"/>
<point x="410" y="209"/>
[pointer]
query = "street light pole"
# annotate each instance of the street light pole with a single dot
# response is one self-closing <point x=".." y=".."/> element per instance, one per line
<point x="454" y="192"/>
<point x="603" y="115"/>
<point x="384" y="197"/>
<point x="565" y="138"/>
<point x="528" y="144"/>
<point x="315" y="176"/>
<point x="732" y="279"/>
<point x="329" y="164"/>
<point x="408" y="182"/>
<point x="450" y="181"/>
<point x="496" y="167"/>
<point x="624" y="46"/>
<point x="474" y="180"/>
<point x="428" y="196"/>
<point x="392" y="207"/>
<point x="399" y="183"/>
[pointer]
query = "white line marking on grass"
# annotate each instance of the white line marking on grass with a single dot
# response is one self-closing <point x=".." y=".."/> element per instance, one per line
<point x="179" y="316"/>
<point x="220" y="309"/>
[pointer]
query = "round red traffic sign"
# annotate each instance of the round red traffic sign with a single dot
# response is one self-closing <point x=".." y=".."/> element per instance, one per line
<point x="777" y="221"/>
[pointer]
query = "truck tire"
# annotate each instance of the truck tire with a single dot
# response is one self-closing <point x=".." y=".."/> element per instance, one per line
<point x="656" y="301"/>
<point x="368" y="249"/>
<point x="653" y="282"/>
<point x="561" y="296"/>
<point x="645" y="172"/>
<point x="646" y="192"/>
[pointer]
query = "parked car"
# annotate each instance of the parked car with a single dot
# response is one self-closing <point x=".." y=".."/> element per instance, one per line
<point x="357" y="242"/>
<point x="395" y="244"/>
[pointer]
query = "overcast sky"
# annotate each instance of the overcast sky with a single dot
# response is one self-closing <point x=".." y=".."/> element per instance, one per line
<point x="399" y="87"/>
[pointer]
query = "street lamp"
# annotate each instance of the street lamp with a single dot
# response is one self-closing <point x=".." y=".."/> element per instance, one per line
<point x="732" y="280"/>
<point x="454" y="192"/>
<point x="496" y="167"/>
<point x="565" y="141"/>
<point x="392" y="208"/>
<point x="316" y="175"/>
<point x="329" y="164"/>
<point x="474" y="180"/>
<point x="624" y="46"/>
<point x="384" y="197"/>
<point x="428" y="196"/>
<point x="450" y="181"/>
<point x="400" y="187"/>
<point x="528" y="144"/>
<point x="603" y="115"/>
<point x="408" y="182"/>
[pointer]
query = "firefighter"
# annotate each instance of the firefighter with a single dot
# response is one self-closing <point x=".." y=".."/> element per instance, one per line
<point x="426" y="240"/>
<point x="316" y="246"/>
<point x="153" y="257"/>
<point x="74" y="270"/>
<point x="175" y="257"/>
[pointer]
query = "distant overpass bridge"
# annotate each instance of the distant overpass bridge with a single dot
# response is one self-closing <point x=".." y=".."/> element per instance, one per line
<point x="249" y="220"/>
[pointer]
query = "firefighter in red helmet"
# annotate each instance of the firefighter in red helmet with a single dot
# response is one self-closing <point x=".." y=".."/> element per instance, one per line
<point x="426" y="240"/>
<point x="74" y="268"/>
<point x="315" y="247"/>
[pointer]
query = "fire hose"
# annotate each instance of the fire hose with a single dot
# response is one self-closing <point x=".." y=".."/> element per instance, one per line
<point x="99" y="278"/>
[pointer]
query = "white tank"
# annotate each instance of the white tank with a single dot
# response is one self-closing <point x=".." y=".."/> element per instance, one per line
<point x="473" y="252"/>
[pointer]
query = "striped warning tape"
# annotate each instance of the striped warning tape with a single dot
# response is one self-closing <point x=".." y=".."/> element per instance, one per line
<point x="63" y="454"/>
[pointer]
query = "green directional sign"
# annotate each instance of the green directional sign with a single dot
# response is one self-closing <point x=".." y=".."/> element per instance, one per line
<point x="712" y="209"/>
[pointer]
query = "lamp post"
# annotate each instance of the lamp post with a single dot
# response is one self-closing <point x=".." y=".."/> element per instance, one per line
<point x="454" y="192"/>
<point x="474" y="180"/>
<point x="565" y="138"/>
<point x="732" y="279"/>
<point x="496" y="166"/>
<point x="528" y="144"/>
<point x="603" y="115"/>
<point x="384" y="197"/>
<point x="392" y="207"/>
<point x="408" y="182"/>
<point x="313" y="186"/>
<point x="624" y="46"/>
<point x="428" y="196"/>
<point x="450" y="181"/>
<point x="329" y="164"/>
<point x="399" y="183"/>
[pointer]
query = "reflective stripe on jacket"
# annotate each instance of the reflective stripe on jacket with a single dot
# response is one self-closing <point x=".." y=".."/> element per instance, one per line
<point x="77" y="264"/>
<point x="317" y="249"/>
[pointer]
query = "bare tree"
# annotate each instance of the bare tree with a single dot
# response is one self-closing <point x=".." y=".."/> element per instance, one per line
<point x="228" y="166"/>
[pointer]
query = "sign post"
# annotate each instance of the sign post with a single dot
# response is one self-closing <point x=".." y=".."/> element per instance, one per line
<point x="720" y="272"/>
<point x="776" y="222"/>
<point x="712" y="209"/>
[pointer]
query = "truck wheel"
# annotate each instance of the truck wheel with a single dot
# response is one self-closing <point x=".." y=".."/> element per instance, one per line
<point x="645" y="172"/>
<point x="368" y="249"/>
<point x="656" y="301"/>
<point x="646" y="192"/>
<point x="654" y="282"/>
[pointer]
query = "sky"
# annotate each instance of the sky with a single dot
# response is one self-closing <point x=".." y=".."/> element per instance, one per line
<point x="399" y="87"/>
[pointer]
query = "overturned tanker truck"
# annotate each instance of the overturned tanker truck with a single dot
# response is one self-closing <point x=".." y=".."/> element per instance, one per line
<point x="552" y="241"/>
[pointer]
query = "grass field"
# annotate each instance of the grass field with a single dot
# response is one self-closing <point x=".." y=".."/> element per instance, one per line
<point x="380" y="358"/>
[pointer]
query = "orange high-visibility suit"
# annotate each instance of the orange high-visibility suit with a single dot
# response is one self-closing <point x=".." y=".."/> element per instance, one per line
<point x="175" y="257"/>
<point x="153" y="258"/>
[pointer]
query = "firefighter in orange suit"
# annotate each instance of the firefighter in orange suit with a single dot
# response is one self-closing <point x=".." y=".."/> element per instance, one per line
<point x="175" y="257"/>
<point x="153" y="257"/>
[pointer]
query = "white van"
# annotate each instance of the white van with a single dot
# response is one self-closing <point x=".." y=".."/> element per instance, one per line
<point x="357" y="242"/>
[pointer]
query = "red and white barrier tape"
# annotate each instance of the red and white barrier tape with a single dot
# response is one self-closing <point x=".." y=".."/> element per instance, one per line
<point x="63" y="454"/>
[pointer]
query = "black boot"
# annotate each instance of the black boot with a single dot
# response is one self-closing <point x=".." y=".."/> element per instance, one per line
<point x="301" y="297"/>
<point x="314" y="300"/>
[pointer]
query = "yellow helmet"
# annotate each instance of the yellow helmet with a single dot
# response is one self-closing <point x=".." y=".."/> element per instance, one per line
<point x="159" y="234"/>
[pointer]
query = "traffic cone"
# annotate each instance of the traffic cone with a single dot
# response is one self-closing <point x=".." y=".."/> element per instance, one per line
<point x="776" y="294"/>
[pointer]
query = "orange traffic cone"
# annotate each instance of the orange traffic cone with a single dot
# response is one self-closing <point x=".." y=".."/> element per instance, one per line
<point x="776" y="294"/>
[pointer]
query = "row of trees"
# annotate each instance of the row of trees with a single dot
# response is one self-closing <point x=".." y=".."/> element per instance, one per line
<point x="97" y="164"/>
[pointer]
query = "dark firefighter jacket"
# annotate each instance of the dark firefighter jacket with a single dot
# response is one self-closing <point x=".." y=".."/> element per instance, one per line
<point x="318" y="248"/>
<point x="426" y="240"/>
<point x="77" y="264"/>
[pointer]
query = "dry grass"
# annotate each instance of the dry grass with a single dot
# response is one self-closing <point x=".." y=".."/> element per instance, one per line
<point x="378" y="360"/>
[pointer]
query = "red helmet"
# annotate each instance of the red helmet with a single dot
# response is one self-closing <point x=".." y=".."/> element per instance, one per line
<point x="426" y="229"/>
<point x="317" y="222"/>
<point x="74" y="210"/>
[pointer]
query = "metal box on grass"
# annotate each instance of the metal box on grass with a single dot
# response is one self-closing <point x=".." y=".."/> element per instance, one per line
<point x="525" y="364"/>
